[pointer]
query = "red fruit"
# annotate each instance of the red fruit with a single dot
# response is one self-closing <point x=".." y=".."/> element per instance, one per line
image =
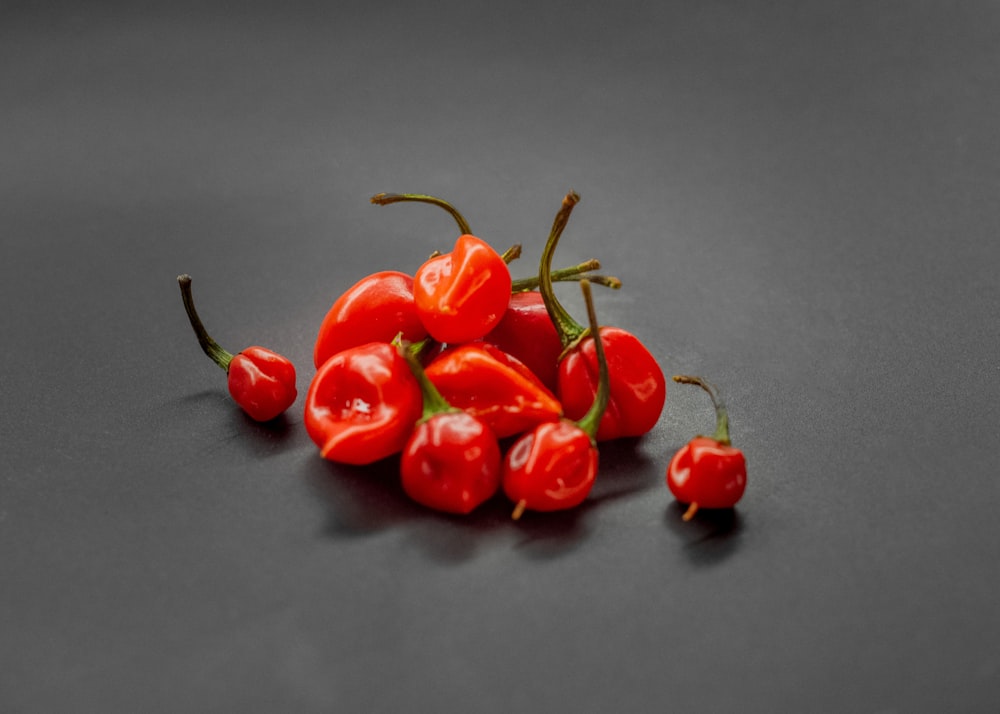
<point x="451" y="463"/>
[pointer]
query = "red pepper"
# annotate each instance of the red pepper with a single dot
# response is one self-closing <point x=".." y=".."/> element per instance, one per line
<point x="461" y="295"/>
<point x="487" y="382"/>
<point x="362" y="404"/>
<point x="380" y="306"/>
<point x="451" y="462"/>
<point x="708" y="472"/>
<point x="638" y="387"/>
<point x="554" y="466"/>
<point x="375" y="309"/>
<point x="262" y="382"/>
<point x="527" y="333"/>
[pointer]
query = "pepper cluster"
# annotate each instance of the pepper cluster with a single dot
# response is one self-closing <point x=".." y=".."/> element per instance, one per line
<point x="443" y="366"/>
<point x="479" y="382"/>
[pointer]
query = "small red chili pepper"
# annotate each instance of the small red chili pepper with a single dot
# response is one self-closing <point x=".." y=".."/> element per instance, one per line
<point x="451" y="462"/>
<point x="262" y="382"/>
<point x="554" y="466"/>
<point x="708" y="472"/>
<point x="485" y="381"/>
<point x="375" y="309"/>
<point x="362" y="404"/>
<point x="638" y="387"/>
<point x="461" y="295"/>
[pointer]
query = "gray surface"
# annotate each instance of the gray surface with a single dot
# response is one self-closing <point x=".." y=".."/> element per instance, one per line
<point x="802" y="201"/>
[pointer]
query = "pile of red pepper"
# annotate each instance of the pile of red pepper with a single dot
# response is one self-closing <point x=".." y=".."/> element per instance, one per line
<point x="480" y="383"/>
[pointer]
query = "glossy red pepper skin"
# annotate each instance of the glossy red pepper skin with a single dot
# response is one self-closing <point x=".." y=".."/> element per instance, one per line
<point x="362" y="404"/>
<point x="527" y="333"/>
<point x="451" y="463"/>
<point x="551" y="468"/>
<point x="554" y="466"/>
<point x="638" y="387"/>
<point x="262" y="382"/>
<point x="485" y="381"/>
<point x="375" y="309"/>
<point x="460" y="296"/>
<point x="707" y="473"/>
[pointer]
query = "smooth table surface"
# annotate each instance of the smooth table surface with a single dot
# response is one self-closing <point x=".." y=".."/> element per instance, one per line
<point x="802" y="200"/>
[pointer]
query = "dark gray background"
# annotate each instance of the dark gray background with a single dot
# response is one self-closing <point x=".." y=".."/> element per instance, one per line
<point x="802" y="201"/>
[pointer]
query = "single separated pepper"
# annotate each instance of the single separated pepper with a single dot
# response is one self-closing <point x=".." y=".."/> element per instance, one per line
<point x="261" y="381"/>
<point x="451" y="462"/>
<point x="487" y="382"/>
<point x="362" y="404"/>
<point x="554" y="466"/>
<point x="708" y="471"/>
<point x="638" y="387"/>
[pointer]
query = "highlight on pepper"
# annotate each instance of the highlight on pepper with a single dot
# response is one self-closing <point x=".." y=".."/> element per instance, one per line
<point x="481" y="384"/>
<point x="708" y="471"/>
<point x="261" y="381"/>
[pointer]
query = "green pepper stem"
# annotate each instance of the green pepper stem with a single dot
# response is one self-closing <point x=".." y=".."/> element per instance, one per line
<point x="592" y="419"/>
<point x="511" y="254"/>
<point x="384" y="199"/>
<point x="569" y="330"/>
<point x="608" y="281"/>
<point x="417" y="349"/>
<point x="574" y="272"/>
<point x="721" y="413"/>
<point x="434" y="401"/>
<point x="220" y="356"/>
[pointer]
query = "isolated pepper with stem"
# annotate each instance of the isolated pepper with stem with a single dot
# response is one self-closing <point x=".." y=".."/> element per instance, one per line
<point x="260" y="380"/>
<point x="708" y="471"/>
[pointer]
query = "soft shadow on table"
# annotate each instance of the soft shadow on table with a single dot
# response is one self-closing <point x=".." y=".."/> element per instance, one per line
<point x="710" y="537"/>
<point x="265" y="438"/>
<point x="360" y="500"/>
<point x="368" y="500"/>
<point x="625" y="469"/>
<point x="259" y="439"/>
<point x="365" y="500"/>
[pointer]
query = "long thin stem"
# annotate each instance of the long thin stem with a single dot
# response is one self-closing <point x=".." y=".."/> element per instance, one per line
<point x="569" y="329"/>
<point x="592" y="419"/>
<point x="220" y="356"/>
<point x="721" y="413"/>
<point x="512" y="253"/>
<point x="384" y="199"/>
<point x="574" y="272"/>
